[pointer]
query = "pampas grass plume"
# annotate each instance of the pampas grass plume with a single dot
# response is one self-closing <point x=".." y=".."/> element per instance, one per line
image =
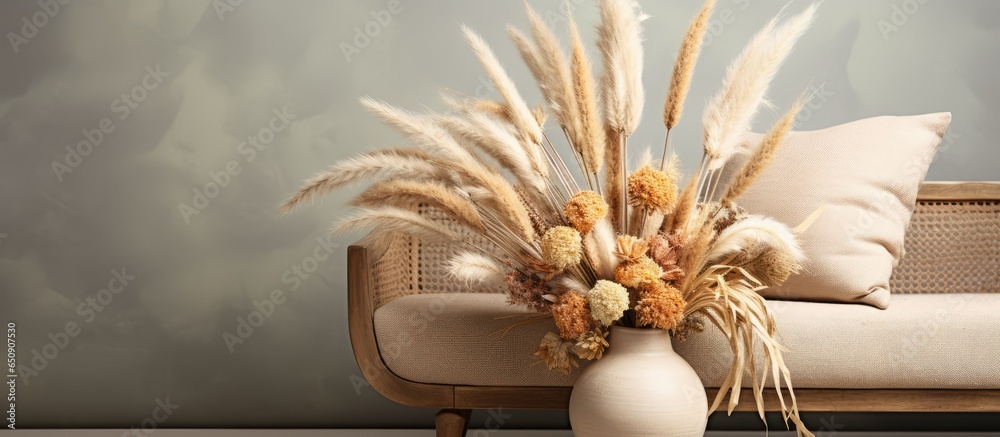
<point x="398" y="163"/>
<point x="403" y="194"/>
<point x="764" y="153"/>
<point x="591" y="136"/>
<point x="523" y="118"/>
<point x="620" y="42"/>
<point x="729" y="114"/>
<point x="687" y="57"/>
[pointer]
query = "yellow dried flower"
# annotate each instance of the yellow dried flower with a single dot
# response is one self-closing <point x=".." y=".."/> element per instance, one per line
<point x="572" y="315"/>
<point x="555" y="353"/>
<point x="591" y="345"/>
<point x="652" y="189"/>
<point x="635" y="274"/>
<point x="585" y="209"/>
<point x="562" y="247"/>
<point x="608" y="301"/>
<point x="660" y="306"/>
<point x="631" y="249"/>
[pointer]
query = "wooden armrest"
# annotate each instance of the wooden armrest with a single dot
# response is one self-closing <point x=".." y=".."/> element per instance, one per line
<point x="361" y="323"/>
<point x="956" y="191"/>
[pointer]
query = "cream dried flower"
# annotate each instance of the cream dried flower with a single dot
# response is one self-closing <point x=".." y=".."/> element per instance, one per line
<point x="591" y="345"/>
<point x="652" y="189"/>
<point x="585" y="209"/>
<point x="562" y="247"/>
<point x="608" y="301"/>
<point x="636" y="274"/>
<point x="631" y="249"/>
<point x="555" y="353"/>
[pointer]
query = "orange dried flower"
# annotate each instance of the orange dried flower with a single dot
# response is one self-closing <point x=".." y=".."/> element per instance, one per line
<point x="660" y="306"/>
<point x="635" y="274"/>
<point x="585" y="209"/>
<point x="652" y="189"/>
<point x="572" y="315"/>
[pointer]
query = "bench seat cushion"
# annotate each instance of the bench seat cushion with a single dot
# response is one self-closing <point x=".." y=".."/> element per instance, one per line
<point x="924" y="341"/>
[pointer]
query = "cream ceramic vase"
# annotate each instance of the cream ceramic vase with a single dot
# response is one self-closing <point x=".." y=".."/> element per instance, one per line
<point x="641" y="387"/>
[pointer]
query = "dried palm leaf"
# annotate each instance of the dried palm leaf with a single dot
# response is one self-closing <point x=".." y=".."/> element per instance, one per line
<point x="736" y="308"/>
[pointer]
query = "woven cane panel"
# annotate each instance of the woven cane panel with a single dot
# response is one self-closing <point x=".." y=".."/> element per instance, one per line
<point x="393" y="272"/>
<point x="951" y="247"/>
<point x="432" y="259"/>
<point x="412" y="267"/>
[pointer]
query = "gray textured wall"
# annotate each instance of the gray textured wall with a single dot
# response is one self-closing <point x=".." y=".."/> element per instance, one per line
<point x="179" y="86"/>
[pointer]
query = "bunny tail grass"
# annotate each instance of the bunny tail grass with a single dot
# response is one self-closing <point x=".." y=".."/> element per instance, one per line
<point x="476" y="269"/>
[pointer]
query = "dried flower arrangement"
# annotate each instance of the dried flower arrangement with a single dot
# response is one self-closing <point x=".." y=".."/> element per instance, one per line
<point x="631" y="249"/>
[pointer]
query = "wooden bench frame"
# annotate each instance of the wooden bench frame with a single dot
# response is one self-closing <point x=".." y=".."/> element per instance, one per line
<point x="456" y="402"/>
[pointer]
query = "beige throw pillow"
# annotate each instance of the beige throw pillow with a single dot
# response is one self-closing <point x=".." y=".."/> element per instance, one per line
<point x="866" y="174"/>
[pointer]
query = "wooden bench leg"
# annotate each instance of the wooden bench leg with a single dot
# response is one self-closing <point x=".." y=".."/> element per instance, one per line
<point x="452" y="423"/>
